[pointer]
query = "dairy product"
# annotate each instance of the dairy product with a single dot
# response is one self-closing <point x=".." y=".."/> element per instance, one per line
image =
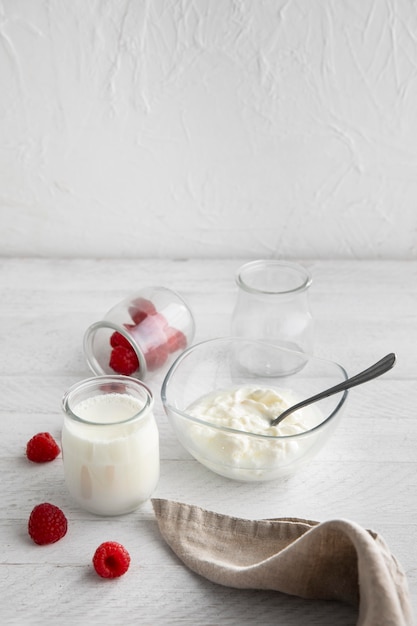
<point x="261" y="450"/>
<point x="111" y="459"/>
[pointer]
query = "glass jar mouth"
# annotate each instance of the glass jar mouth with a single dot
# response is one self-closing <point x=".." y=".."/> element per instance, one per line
<point x="273" y="277"/>
<point x="106" y="385"/>
<point x="93" y="362"/>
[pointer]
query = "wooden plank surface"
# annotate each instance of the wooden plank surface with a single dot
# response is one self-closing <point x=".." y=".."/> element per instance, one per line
<point x="367" y="472"/>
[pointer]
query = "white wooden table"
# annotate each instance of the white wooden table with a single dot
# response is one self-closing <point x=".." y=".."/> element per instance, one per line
<point x="367" y="472"/>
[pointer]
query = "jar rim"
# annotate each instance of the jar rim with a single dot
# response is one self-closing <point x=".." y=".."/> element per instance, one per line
<point x="300" y="270"/>
<point x="115" y="380"/>
<point x="92" y="360"/>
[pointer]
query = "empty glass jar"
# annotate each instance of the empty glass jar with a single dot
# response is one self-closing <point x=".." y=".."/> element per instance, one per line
<point x="272" y="304"/>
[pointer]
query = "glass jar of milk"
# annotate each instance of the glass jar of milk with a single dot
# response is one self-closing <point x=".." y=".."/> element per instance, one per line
<point x="110" y="444"/>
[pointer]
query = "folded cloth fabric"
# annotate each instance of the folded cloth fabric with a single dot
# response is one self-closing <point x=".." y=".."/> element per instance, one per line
<point x="336" y="559"/>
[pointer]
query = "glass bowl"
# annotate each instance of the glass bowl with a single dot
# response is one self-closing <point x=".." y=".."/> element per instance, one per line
<point x="220" y="396"/>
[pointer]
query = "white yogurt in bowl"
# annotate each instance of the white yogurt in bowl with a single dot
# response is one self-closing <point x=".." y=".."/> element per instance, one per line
<point x="231" y="432"/>
<point x="221" y="395"/>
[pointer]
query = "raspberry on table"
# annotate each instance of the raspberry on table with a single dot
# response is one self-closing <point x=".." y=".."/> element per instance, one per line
<point x="124" y="360"/>
<point x="47" y="524"/>
<point x="42" y="448"/>
<point x="111" y="560"/>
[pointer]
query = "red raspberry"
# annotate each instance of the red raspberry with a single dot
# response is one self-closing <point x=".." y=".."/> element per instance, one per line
<point x="47" y="524"/>
<point x="158" y="321"/>
<point x="140" y="309"/>
<point x="155" y="357"/>
<point x="151" y="332"/>
<point x="117" y="339"/>
<point x="124" y="360"/>
<point x="111" y="560"/>
<point x="176" y="340"/>
<point x="42" y="448"/>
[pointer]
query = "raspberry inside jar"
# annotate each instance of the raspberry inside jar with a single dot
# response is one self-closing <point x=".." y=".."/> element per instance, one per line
<point x="140" y="335"/>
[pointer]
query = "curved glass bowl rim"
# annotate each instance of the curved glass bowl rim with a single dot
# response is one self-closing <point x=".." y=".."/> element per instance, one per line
<point x="196" y="420"/>
<point x="110" y="378"/>
<point x="294" y="266"/>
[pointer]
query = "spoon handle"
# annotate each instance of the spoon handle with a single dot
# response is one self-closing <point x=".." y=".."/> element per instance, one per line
<point x="380" y="367"/>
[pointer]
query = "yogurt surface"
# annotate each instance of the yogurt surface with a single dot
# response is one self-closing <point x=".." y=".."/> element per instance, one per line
<point x="256" y="451"/>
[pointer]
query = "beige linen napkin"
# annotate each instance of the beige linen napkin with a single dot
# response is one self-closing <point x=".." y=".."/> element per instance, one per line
<point x="336" y="559"/>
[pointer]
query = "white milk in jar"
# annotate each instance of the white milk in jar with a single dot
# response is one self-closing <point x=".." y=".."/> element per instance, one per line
<point x="110" y="444"/>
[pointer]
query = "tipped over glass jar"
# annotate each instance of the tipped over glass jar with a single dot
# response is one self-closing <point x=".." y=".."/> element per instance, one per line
<point x="140" y="335"/>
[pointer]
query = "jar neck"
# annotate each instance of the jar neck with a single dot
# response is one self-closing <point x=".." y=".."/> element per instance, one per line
<point x="273" y="278"/>
<point x="92" y="394"/>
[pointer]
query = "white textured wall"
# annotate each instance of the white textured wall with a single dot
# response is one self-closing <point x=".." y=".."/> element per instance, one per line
<point x="208" y="127"/>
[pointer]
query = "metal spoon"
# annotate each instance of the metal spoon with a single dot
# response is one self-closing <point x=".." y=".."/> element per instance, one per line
<point x="380" y="367"/>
